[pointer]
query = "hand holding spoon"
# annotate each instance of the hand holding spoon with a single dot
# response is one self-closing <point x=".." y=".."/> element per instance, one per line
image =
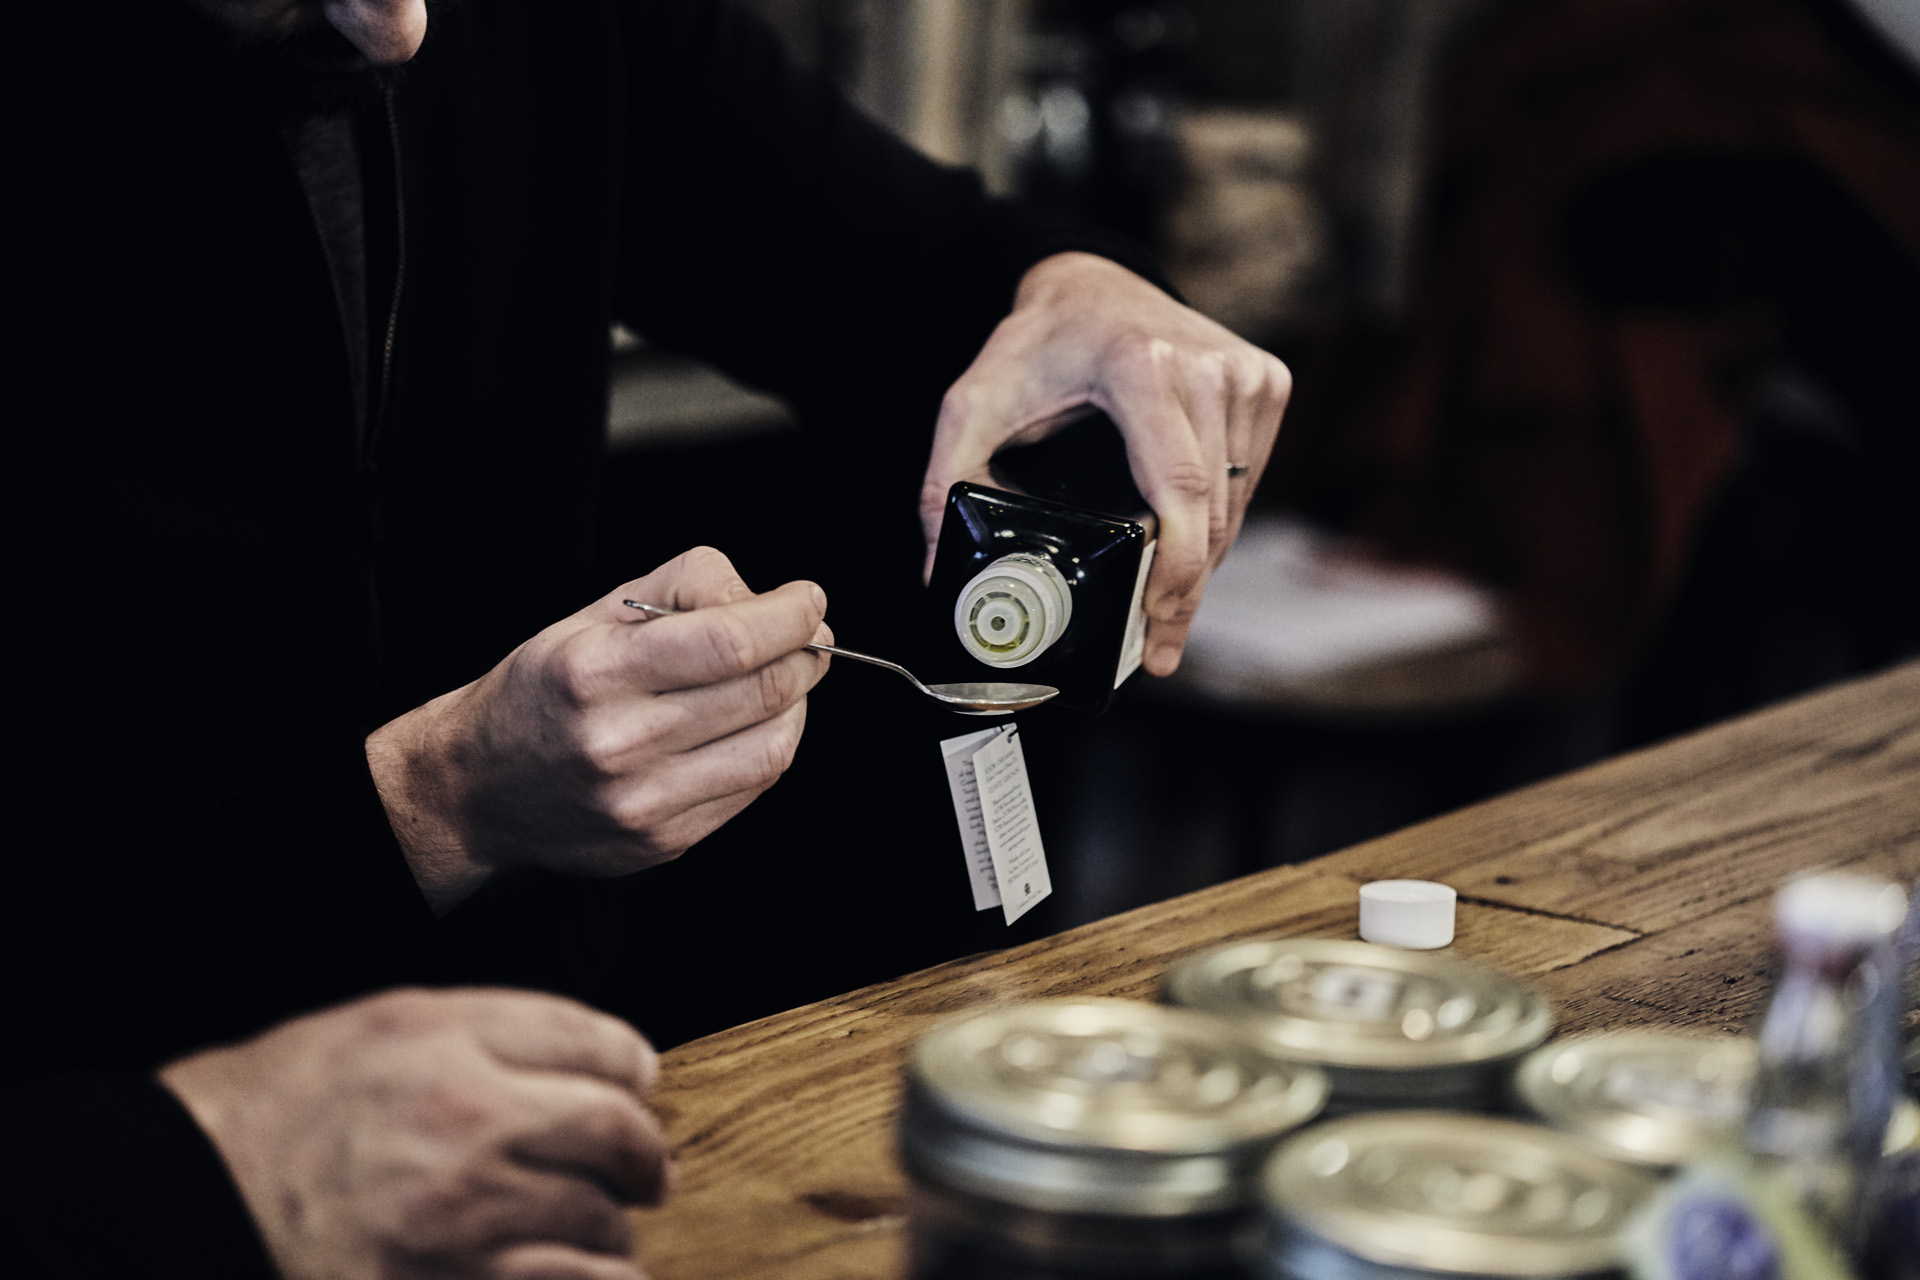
<point x="969" y="698"/>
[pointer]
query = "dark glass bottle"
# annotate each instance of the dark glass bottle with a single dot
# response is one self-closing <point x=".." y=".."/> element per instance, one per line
<point x="1045" y="571"/>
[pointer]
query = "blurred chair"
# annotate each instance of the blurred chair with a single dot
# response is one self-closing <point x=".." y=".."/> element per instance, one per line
<point x="1642" y="219"/>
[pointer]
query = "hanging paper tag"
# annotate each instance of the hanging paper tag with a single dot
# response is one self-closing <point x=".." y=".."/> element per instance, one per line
<point x="987" y="774"/>
<point x="958" y="754"/>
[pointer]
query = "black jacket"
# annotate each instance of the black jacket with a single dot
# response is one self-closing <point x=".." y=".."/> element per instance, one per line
<point x="227" y="571"/>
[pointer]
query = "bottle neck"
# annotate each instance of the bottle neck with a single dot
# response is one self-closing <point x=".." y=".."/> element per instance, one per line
<point x="1827" y="1079"/>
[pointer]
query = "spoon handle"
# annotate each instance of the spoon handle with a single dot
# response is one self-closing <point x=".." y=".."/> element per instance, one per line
<point x="838" y="652"/>
<point x="659" y="611"/>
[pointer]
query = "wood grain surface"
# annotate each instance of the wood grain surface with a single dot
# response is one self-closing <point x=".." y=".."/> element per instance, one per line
<point x="1635" y="892"/>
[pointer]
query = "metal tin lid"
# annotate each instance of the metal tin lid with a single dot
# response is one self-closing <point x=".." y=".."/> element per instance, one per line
<point x="1653" y="1097"/>
<point x="1100" y="1106"/>
<point x="1352" y="1004"/>
<point x="1656" y="1097"/>
<point x="1447" y="1192"/>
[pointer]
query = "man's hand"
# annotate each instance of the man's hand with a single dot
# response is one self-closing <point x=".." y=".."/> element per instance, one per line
<point x="1189" y="397"/>
<point x="492" y="1134"/>
<point x="608" y="742"/>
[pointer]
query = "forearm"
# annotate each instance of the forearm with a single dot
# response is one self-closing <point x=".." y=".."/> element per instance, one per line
<point x="879" y="258"/>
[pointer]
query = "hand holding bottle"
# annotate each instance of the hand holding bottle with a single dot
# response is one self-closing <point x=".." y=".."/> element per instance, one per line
<point x="1198" y="406"/>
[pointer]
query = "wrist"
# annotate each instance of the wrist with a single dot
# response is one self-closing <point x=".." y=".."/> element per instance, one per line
<point x="1059" y="273"/>
<point x="424" y="804"/>
<point x="196" y="1080"/>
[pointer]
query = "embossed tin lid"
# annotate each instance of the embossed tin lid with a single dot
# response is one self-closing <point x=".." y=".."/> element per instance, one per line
<point x="1352" y="1004"/>
<point x="1657" y="1097"/>
<point x="1653" y="1097"/>
<point x="1447" y="1193"/>
<point x="1100" y="1106"/>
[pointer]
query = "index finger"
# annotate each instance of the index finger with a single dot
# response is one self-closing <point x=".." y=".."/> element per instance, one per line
<point x="1171" y="471"/>
<point x="537" y="1032"/>
<point x="570" y="1122"/>
<point x="965" y="437"/>
<point x="694" y="579"/>
<point x="725" y="642"/>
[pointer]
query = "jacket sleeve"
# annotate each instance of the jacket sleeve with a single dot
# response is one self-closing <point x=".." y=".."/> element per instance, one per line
<point x="106" y="1175"/>
<point x="772" y="227"/>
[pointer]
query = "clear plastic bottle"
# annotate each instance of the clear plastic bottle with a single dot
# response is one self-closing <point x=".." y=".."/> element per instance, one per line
<point x="1799" y="1197"/>
<point x="1829" y="1067"/>
<point x="1893" y="1246"/>
<point x="1908" y="949"/>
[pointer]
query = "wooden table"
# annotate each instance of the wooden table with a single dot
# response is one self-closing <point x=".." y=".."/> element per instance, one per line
<point x="1634" y="892"/>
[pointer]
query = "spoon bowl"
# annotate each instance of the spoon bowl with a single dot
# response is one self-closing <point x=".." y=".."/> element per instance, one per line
<point x="969" y="698"/>
<point x="990" y="698"/>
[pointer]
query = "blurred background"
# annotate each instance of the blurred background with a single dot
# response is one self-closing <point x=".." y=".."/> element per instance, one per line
<point x="1605" y="323"/>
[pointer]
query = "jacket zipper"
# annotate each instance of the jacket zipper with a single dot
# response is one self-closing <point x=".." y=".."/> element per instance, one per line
<point x="377" y="421"/>
<point x="377" y="424"/>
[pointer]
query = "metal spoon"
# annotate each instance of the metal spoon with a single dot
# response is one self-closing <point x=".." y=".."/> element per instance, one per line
<point x="969" y="698"/>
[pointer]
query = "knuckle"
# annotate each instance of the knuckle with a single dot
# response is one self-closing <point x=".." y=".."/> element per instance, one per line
<point x="1208" y="369"/>
<point x="779" y="687"/>
<point x="592" y="1221"/>
<point x="572" y="677"/>
<point x="731" y="642"/>
<point x="933" y="497"/>
<point x="451" y="1111"/>
<point x="1177" y="572"/>
<point x="614" y="1122"/>
<point x="570" y="1030"/>
<point x="1178" y="609"/>
<point x="957" y="404"/>
<point x="777" y="750"/>
<point x="405" y="1012"/>
<point x="709" y="577"/>
<point x="549" y="1261"/>
<point x="1188" y="478"/>
<point x="444" y="1203"/>
<point x="704" y="560"/>
<point x="646" y="1059"/>
<point x="1136" y="346"/>
<point x="1251" y="373"/>
<point x="602" y="747"/>
<point x="1279" y="380"/>
<point x="644" y="812"/>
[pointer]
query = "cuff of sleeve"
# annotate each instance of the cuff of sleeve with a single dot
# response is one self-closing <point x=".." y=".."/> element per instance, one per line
<point x="1026" y="237"/>
<point x="107" y="1175"/>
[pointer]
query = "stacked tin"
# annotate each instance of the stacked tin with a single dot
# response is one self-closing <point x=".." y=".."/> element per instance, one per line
<point x="1392" y="1029"/>
<point x="1419" y="1195"/>
<point x="1091" y="1137"/>
<point x="1065" y="1139"/>
<point x="1658" y="1097"/>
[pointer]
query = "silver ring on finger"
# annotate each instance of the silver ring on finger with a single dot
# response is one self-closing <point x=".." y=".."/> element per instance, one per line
<point x="1237" y="469"/>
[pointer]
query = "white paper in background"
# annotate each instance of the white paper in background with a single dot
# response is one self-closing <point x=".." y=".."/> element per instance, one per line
<point x="1285" y="605"/>
<point x="1006" y="802"/>
<point x="958" y="754"/>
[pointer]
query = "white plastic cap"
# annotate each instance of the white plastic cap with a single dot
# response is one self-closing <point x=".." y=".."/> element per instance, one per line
<point x="1415" y="914"/>
<point x="1013" y="610"/>
<point x="1840" y="908"/>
